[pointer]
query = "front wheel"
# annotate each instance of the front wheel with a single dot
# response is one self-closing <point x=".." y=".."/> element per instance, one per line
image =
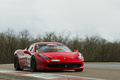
<point x="16" y="63"/>
<point x="78" y="70"/>
<point x="33" y="64"/>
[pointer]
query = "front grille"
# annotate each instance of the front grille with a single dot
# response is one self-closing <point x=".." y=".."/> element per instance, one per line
<point x="63" y="65"/>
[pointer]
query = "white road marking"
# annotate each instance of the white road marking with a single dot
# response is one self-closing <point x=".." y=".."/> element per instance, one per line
<point x="2" y="71"/>
<point x="52" y="76"/>
<point x="47" y="75"/>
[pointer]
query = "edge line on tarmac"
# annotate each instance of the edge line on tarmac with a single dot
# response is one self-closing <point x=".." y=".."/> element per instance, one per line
<point x="47" y="75"/>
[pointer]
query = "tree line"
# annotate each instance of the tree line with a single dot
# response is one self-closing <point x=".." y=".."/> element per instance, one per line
<point x="93" y="48"/>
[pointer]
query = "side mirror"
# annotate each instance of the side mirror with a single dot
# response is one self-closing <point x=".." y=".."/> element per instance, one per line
<point x="75" y="50"/>
<point x="27" y="52"/>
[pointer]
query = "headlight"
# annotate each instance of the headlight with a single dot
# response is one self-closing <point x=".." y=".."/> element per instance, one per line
<point x="46" y="58"/>
<point x="79" y="57"/>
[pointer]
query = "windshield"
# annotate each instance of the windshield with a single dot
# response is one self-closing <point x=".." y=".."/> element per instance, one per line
<point x="52" y="48"/>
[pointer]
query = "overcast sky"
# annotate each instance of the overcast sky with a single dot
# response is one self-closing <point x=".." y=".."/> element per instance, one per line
<point x="79" y="17"/>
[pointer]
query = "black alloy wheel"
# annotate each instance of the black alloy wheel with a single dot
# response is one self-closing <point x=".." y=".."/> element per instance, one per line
<point x="33" y="64"/>
<point x="16" y="63"/>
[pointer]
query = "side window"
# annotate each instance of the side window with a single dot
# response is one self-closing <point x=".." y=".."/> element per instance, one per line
<point x="31" y="48"/>
<point x="27" y="48"/>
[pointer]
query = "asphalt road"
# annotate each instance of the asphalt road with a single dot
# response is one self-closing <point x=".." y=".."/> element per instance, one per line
<point x="105" y="71"/>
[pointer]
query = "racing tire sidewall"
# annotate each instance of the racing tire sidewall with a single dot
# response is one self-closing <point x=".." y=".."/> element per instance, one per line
<point x="33" y="64"/>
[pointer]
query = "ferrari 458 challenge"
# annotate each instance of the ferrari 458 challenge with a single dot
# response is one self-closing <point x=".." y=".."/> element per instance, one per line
<point x="46" y="56"/>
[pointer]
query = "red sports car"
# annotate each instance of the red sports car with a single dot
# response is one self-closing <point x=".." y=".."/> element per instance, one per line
<point x="48" y="55"/>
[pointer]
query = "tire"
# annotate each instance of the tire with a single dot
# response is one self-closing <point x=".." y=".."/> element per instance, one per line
<point x="16" y="63"/>
<point x="33" y="64"/>
<point x="78" y="70"/>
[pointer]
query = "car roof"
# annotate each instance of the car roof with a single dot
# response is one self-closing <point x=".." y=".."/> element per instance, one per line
<point x="47" y="43"/>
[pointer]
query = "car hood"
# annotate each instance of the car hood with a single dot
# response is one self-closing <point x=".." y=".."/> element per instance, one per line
<point x="61" y="55"/>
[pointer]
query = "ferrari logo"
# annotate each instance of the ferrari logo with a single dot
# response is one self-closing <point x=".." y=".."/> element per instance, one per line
<point x="65" y="66"/>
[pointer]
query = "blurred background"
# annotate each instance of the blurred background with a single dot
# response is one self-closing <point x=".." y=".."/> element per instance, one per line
<point x="90" y="26"/>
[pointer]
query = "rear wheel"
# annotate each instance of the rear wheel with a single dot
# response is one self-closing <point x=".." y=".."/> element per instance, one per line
<point x="16" y="63"/>
<point x="78" y="70"/>
<point x="33" y="64"/>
